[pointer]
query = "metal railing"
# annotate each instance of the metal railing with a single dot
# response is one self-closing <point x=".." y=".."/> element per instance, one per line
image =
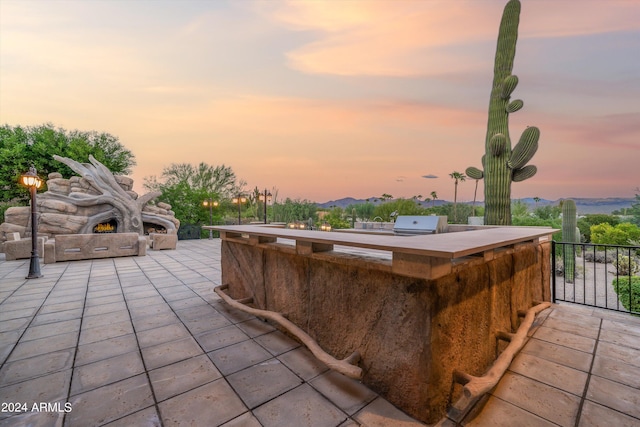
<point x="604" y="276"/>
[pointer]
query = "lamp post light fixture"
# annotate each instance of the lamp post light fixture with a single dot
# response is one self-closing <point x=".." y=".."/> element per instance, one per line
<point x="239" y="200"/>
<point x="33" y="182"/>
<point x="210" y="203"/>
<point x="265" y="198"/>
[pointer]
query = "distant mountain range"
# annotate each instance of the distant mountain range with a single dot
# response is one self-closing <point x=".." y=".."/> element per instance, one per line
<point x="583" y="205"/>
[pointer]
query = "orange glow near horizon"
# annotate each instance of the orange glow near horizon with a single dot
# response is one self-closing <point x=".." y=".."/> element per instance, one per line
<point x="324" y="100"/>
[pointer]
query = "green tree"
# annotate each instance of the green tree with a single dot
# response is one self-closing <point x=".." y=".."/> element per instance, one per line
<point x="364" y="211"/>
<point x="400" y="207"/>
<point x="519" y="209"/>
<point x="457" y="177"/>
<point x="548" y="212"/>
<point x="337" y="218"/>
<point x="585" y="223"/>
<point x="621" y="234"/>
<point x="295" y="210"/>
<point x="185" y="187"/>
<point x="21" y="147"/>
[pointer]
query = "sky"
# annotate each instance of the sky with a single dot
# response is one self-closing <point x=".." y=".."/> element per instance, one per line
<point x="326" y="99"/>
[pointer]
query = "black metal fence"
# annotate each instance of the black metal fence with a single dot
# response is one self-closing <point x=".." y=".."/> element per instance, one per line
<point x="604" y="276"/>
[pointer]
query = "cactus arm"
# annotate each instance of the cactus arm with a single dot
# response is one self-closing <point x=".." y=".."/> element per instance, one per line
<point x="525" y="148"/>
<point x="474" y="173"/>
<point x="569" y="235"/>
<point x="524" y="173"/>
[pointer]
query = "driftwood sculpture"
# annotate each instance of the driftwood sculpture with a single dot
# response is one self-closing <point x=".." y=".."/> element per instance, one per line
<point x="346" y="366"/>
<point x="126" y="210"/>
<point x="95" y="201"/>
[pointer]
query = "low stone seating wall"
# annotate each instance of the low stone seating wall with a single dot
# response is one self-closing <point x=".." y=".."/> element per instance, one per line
<point x="21" y="248"/>
<point x="158" y="241"/>
<point x="72" y="247"/>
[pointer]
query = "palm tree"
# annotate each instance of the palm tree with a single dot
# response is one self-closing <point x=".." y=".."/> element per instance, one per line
<point x="536" y="199"/>
<point x="457" y="177"/>
<point x="434" y="197"/>
<point x="475" y="193"/>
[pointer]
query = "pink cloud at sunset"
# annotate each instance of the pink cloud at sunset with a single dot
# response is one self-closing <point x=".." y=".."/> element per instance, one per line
<point x="326" y="99"/>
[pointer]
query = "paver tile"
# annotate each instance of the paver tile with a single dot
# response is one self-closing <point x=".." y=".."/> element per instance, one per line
<point x="594" y="415"/>
<point x="32" y="367"/>
<point x="221" y="337"/>
<point x="58" y="316"/>
<point x="618" y="371"/>
<point x="262" y="382"/>
<point x="101" y="333"/>
<point x="154" y="321"/>
<point x="182" y="376"/>
<point x="303" y="363"/>
<point x="170" y="352"/>
<point x="162" y="334"/>
<point x="108" y="403"/>
<point x="548" y="402"/>
<point x="206" y="323"/>
<point x="381" y="413"/>
<point x="145" y="418"/>
<point x="277" y="343"/>
<point x="625" y="328"/>
<point x="100" y="350"/>
<point x="48" y="388"/>
<point x="565" y="325"/>
<point x="620" y="338"/>
<point x="346" y="393"/>
<point x="614" y="395"/>
<point x="44" y="345"/>
<point x="302" y="406"/>
<point x="550" y="373"/>
<point x="559" y="354"/>
<point x="255" y="327"/>
<point x="150" y="310"/>
<point x="628" y="355"/>
<point x="106" y="371"/>
<point x="99" y="320"/>
<point x="212" y="404"/>
<point x="498" y="413"/>
<point x="237" y="357"/>
<point x="566" y="339"/>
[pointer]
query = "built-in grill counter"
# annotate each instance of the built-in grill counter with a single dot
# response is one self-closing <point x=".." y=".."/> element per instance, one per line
<point x="416" y="307"/>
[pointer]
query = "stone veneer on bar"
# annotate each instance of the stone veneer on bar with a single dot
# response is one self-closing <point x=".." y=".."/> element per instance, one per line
<point x="420" y="309"/>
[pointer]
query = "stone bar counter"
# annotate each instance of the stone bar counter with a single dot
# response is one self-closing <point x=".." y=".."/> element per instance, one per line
<point x="416" y="308"/>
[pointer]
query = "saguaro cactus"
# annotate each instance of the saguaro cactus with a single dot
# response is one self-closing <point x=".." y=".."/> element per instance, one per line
<point x="569" y="236"/>
<point x="501" y="164"/>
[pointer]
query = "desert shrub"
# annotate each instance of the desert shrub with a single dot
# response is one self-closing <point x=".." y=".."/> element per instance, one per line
<point x="621" y="234"/>
<point x="625" y="265"/>
<point x="628" y="290"/>
<point x="578" y="271"/>
<point x="599" y="256"/>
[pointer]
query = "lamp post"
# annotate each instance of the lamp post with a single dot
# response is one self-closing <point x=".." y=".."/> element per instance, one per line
<point x="239" y="200"/>
<point x="266" y="198"/>
<point x="32" y="182"/>
<point x="211" y="204"/>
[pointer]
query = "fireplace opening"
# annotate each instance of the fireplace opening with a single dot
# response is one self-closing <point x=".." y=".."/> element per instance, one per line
<point x="106" y="227"/>
<point x="154" y="228"/>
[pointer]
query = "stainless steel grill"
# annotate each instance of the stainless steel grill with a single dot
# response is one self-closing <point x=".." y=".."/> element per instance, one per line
<point x="411" y="225"/>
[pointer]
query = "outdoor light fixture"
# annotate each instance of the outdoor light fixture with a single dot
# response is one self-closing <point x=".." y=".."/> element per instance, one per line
<point x="265" y="198"/>
<point x="33" y="182"/>
<point x="325" y="227"/>
<point x="211" y="204"/>
<point x="239" y="200"/>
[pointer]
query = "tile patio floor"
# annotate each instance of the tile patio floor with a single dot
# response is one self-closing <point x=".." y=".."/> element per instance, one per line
<point x="144" y="341"/>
